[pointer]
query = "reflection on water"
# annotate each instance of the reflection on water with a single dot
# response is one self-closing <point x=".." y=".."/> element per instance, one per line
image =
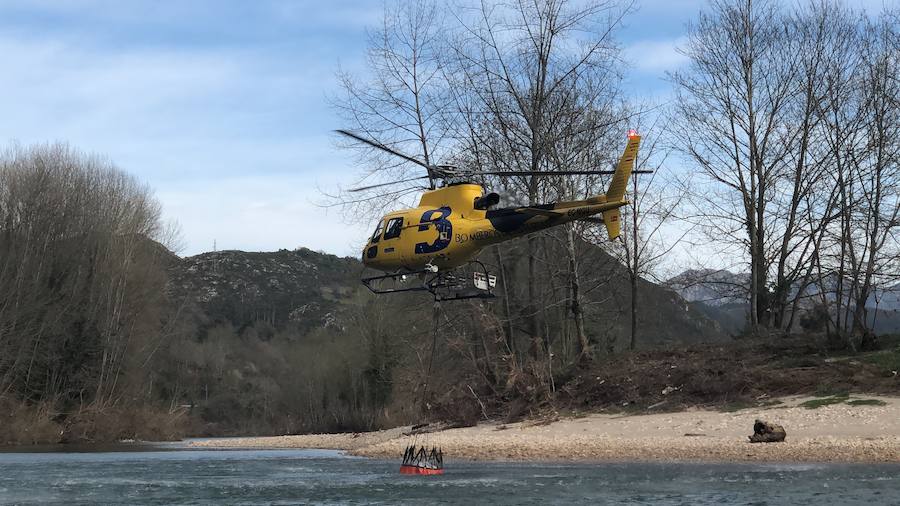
<point x="328" y="477"/>
<point x="89" y="448"/>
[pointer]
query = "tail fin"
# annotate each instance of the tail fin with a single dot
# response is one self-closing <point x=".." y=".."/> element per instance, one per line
<point x="616" y="191"/>
<point x="611" y="219"/>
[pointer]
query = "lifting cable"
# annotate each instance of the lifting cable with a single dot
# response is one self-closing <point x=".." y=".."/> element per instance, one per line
<point x="419" y="459"/>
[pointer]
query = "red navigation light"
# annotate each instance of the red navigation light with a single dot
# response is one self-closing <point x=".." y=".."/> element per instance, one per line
<point x="632" y="133"/>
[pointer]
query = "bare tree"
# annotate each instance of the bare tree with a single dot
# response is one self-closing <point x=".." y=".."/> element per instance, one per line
<point x="655" y="202"/>
<point x="537" y="84"/>
<point x="822" y="37"/>
<point x="784" y="113"/>
<point x="398" y="103"/>
<point x="863" y="121"/>
<point x="730" y="123"/>
<point x="81" y="280"/>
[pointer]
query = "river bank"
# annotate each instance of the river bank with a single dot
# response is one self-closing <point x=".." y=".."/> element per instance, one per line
<point x="856" y="429"/>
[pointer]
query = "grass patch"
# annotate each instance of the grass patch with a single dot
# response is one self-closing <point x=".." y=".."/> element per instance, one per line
<point x="632" y="408"/>
<point x="887" y="360"/>
<point x="889" y="341"/>
<point x="824" y="401"/>
<point x="828" y="389"/>
<point x="867" y="402"/>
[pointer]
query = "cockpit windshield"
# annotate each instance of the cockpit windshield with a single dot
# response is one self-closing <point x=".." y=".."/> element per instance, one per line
<point x="377" y="235"/>
<point x="393" y="229"/>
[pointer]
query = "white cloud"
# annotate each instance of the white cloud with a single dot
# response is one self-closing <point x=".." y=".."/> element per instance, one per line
<point x="258" y="214"/>
<point x="234" y="141"/>
<point x="365" y="15"/>
<point x="656" y="56"/>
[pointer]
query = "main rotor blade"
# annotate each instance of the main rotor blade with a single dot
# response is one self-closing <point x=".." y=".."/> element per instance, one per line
<point x="550" y="172"/>
<point x="384" y="148"/>
<point x="363" y="188"/>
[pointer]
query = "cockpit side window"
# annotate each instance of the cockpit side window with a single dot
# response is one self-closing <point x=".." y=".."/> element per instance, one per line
<point x="377" y="234"/>
<point x="393" y="229"/>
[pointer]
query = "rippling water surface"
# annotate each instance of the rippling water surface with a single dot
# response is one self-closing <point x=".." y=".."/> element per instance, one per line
<point x="327" y="477"/>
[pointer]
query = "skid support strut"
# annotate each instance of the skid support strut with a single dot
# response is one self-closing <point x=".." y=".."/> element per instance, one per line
<point x="443" y="285"/>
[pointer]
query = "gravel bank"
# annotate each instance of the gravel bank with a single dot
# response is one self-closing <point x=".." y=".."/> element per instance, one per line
<point x="834" y="433"/>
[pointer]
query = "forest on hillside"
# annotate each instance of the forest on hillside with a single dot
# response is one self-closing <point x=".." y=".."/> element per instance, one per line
<point x="780" y="151"/>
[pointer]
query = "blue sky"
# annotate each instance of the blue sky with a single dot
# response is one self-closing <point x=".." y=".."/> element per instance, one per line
<point x="220" y="106"/>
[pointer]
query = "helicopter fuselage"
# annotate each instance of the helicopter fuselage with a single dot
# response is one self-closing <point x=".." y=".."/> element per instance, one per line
<point x="446" y="230"/>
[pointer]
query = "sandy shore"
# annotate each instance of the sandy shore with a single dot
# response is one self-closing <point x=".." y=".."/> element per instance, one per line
<point x="834" y="433"/>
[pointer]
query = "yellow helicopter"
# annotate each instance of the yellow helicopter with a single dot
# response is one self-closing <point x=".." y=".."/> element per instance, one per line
<point x="453" y="223"/>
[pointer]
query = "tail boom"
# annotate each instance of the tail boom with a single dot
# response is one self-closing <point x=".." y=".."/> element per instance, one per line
<point x="525" y="220"/>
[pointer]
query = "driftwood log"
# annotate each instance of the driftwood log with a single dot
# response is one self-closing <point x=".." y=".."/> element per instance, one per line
<point x="765" y="432"/>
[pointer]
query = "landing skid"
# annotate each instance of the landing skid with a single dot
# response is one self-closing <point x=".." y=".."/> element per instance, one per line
<point x="443" y="285"/>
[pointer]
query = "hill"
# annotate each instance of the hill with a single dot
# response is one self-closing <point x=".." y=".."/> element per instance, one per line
<point x="305" y="290"/>
<point x="290" y="341"/>
<point x="299" y="288"/>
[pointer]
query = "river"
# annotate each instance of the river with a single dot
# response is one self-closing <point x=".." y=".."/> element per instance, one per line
<point x="175" y="475"/>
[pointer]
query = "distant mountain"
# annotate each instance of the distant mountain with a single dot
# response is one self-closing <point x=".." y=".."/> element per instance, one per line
<point x="884" y="308"/>
<point x="710" y="286"/>
<point x="886" y="300"/>
<point x="721" y="296"/>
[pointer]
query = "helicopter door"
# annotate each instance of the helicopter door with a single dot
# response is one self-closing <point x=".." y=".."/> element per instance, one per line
<point x="372" y="249"/>
<point x="390" y="247"/>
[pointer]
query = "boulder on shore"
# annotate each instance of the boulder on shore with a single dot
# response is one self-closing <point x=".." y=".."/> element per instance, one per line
<point x="765" y="432"/>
